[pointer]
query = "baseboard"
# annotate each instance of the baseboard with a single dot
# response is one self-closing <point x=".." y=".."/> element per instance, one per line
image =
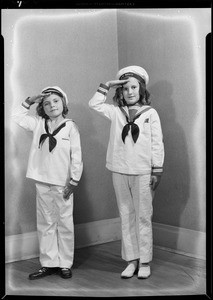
<point x="21" y="246"/>
<point x="97" y="232"/>
<point x="25" y="246"/>
<point x="171" y="238"/>
<point x="180" y="240"/>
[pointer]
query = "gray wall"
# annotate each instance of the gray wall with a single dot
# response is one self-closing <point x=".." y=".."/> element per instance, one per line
<point x="77" y="50"/>
<point x="76" y="53"/>
<point x="170" y="44"/>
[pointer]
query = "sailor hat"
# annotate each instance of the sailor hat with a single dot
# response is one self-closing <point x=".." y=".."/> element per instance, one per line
<point x="133" y="71"/>
<point x="56" y="90"/>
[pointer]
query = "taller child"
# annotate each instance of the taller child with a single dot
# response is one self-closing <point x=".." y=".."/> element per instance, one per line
<point x="135" y="155"/>
<point x="55" y="163"/>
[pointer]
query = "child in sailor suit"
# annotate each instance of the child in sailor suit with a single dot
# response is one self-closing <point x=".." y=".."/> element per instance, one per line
<point x="55" y="163"/>
<point x="135" y="156"/>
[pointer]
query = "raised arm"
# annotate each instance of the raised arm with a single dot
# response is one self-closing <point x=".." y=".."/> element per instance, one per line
<point x="20" y="113"/>
<point x="97" y="102"/>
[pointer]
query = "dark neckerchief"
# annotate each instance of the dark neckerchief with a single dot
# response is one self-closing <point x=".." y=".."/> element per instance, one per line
<point x="130" y="124"/>
<point x="52" y="140"/>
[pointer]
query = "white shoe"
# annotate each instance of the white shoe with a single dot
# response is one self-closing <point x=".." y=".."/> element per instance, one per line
<point x="129" y="271"/>
<point x="144" y="272"/>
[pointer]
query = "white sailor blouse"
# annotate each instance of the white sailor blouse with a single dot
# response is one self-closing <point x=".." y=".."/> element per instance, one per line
<point x="55" y="158"/>
<point x="135" y="147"/>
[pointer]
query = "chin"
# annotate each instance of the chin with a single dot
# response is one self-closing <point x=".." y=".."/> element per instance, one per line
<point x="131" y="102"/>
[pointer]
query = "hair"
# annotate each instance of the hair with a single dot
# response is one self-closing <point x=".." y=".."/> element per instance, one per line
<point x="143" y="92"/>
<point x="40" y="109"/>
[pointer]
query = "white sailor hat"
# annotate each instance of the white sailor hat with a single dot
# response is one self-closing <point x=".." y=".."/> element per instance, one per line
<point x="57" y="90"/>
<point x="133" y="71"/>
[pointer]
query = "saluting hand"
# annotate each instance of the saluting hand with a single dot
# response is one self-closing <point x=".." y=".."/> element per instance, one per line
<point x="38" y="98"/>
<point x="116" y="83"/>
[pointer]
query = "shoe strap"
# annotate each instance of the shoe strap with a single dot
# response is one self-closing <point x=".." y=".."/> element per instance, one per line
<point x="43" y="269"/>
<point x="143" y="266"/>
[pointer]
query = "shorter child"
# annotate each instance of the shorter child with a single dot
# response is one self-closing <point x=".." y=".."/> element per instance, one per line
<point x="55" y="163"/>
<point x="135" y="156"/>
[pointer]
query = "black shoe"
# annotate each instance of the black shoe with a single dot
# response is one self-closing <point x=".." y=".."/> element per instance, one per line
<point x="65" y="273"/>
<point x="44" y="271"/>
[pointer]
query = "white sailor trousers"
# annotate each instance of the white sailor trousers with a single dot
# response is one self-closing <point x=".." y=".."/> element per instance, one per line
<point x="55" y="226"/>
<point x="134" y="198"/>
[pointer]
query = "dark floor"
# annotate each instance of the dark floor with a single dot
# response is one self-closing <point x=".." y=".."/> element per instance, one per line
<point x="96" y="273"/>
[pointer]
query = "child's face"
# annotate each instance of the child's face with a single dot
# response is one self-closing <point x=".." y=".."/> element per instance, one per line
<point x="53" y="106"/>
<point x="131" y="91"/>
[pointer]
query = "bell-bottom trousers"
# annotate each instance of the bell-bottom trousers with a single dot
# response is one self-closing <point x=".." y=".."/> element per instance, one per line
<point x="54" y="226"/>
<point x="134" y="199"/>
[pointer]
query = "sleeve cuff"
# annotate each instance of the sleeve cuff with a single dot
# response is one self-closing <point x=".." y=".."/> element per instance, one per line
<point x="157" y="171"/>
<point x="103" y="89"/>
<point x="26" y="103"/>
<point x="74" y="182"/>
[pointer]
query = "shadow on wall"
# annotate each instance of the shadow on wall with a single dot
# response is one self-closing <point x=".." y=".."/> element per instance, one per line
<point x="20" y="202"/>
<point x="173" y="192"/>
<point x="94" y="195"/>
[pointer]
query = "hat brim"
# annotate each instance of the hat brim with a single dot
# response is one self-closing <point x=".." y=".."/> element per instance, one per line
<point x="51" y="90"/>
